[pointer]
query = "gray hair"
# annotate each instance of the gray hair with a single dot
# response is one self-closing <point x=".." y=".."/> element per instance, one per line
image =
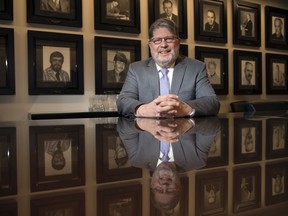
<point x="163" y="23"/>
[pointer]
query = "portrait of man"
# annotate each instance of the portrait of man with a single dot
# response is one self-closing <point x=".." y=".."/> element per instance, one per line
<point x="121" y="207"/>
<point x="167" y="7"/>
<point x="248" y="73"/>
<point x="247" y="189"/>
<point x="118" y="72"/>
<point x="211" y="18"/>
<point x="215" y="148"/>
<point x="59" y="6"/>
<point x="278" y="74"/>
<point x="212" y="196"/>
<point x="248" y="140"/>
<point x="277" y="28"/>
<point x="54" y="70"/>
<point x="118" y="156"/>
<point x="118" y="9"/>
<point x="278" y="185"/>
<point x="213" y="69"/>
<point x="246" y="26"/>
<point x="278" y="137"/>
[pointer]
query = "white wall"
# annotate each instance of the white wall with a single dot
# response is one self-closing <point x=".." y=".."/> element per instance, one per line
<point x="19" y="105"/>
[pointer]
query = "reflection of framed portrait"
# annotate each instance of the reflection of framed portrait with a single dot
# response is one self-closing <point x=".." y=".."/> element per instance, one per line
<point x="7" y="71"/>
<point x="119" y="15"/>
<point x="276" y="32"/>
<point x="276" y="73"/>
<point x="217" y="67"/>
<point x="61" y="12"/>
<point x="8" y="168"/>
<point x="120" y="199"/>
<point x="56" y="156"/>
<point x="211" y="193"/>
<point x="247" y="188"/>
<point x="6" y="10"/>
<point x="276" y="183"/>
<point x="210" y="21"/>
<point x="111" y="64"/>
<point x="175" y="10"/>
<point x="112" y="162"/>
<point x="246" y="23"/>
<point x="247" y="140"/>
<point x="70" y="204"/>
<point x="55" y="63"/>
<point x="8" y="208"/>
<point x="247" y="72"/>
<point x="276" y="138"/>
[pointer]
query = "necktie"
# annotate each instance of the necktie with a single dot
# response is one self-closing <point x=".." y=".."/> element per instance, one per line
<point x="164" y="82"/>
<point x="58" y="76"/>
<point x="164" y="148"/>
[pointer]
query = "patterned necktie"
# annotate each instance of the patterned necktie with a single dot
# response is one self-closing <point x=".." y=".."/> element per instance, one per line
<point x="164" y="82"/>
<point x="164" y="148"/>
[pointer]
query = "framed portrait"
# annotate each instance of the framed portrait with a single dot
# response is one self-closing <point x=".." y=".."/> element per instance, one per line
<point x="120" y="200"/>
<point x="276" y="74"/>
<point x="211" y="193"/>
<point x="276" y="31"/>
<point x="67" y="204"/>
<point x="56" y="157"/>
<point x="6" y="10"/>
<point x="276" y="182"/>
<point x="61" y="12"/>
<point x="216" y="61"/>
<point x="175" y="10"/>
<point x="181" y="207"/>
<point x="8" y="166"/>
<point x="55" y="63"/>
<point x="210" y="20"/>
<point x="7" y="65"/>
<point x="112" y="163"/>
<point x="113" y="57"/>
<point x="247" y="140"/>
<point x="8" y="208"/>
<point x="247" y="72"/>
<point x="119" y="15"/>
<point x="246" y="23"/>
<point x="276" y="138"/>
<point x="246" y="188"/>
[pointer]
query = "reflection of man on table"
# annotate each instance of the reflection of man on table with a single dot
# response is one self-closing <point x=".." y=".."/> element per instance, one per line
<point x="212" y="189"/>
<point x="246" y="188"/>
<point x="56" y="5"/>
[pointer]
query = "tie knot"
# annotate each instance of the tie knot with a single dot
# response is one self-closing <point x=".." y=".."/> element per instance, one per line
<point x="164" y="71"/>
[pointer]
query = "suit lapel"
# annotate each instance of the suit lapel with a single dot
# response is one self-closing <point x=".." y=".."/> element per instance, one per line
<point x="178" y="75"/>
<point x="153" y="78"/>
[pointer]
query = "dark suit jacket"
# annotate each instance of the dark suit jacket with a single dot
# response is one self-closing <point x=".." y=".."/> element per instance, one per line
<point x="111" y="76"/>
<point x="190" y="82"/>
<point x="190" y="152"/>
<point x="213" y="28"/>
<point x="50" y="6"/>
<point x="174" y="17"/>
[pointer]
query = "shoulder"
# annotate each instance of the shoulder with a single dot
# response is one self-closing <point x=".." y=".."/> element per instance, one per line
<point x="190" y="61"/>
<point x="143" y="63"/>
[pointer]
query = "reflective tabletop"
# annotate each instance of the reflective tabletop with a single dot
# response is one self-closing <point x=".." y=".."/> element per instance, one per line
<point x="230" y="164"/>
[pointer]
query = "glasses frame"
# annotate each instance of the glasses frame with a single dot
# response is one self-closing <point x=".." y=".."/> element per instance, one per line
<point x="152" y="40"/>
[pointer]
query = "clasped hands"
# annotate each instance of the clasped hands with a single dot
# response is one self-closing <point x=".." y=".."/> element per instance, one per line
<point x="164" y="106"/>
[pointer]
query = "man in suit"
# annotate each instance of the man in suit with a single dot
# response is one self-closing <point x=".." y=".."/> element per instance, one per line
<point x="190" y="92"/>
<point x="211" y="25"/>
<point x="118" y="74"/>
<point x="168" y="11"/>
<point x="56" y="5"/>
<point x="278" y="25"/>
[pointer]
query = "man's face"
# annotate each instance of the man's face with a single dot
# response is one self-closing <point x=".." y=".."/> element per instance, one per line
<point x="211" y="18"/>
<point x="211" y="69"/>
<point x="249" y="72"/>
<point x="119" y="66"/>
<point x="164" y="54"/>
<point x="56" y="63"/>
<point x="278" y="27"/>
<point x="167" y="7"/>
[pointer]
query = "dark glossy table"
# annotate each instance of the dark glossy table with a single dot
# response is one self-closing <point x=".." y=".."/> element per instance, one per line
<point x="232" y="164"/>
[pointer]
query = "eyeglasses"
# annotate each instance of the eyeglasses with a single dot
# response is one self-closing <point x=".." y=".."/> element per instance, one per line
<point x="157" y="41"/>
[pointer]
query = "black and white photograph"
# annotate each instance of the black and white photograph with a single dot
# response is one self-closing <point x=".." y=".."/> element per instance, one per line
<point x="6" y="10"/>
<point x="210" y="18"/>
<point x="169" y="9"/>
<point x="248" y="73"/>
<point x="248" y="140"/>
<point x="213" y="69"/>
<point x="118" y="9"/>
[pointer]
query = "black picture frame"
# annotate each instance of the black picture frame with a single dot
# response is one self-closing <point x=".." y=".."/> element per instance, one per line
<point x="276" y="74"/>
<point x="7" y="62"/>
<point x="276" y="182"/>
<point x="8" y="161"/>
<point x="276" y="138"/>
<point x="71" y="204"/>
<point x="41" y="47"/>
<point x="67" y="143"/>
<point x="247" y="140"/>
<point x="246" y="188"/>
<point x="156" y="11"/>
<point x="107" y="52"/>
<point x="246" y="23"/>
<point x="45" y="12"/>
<point x="125" y="18"/>
<point x="253" y="61"/>
<point x="216" y="203"/>
<point x="8" y="208"/>
<point x="6" y="10"/>
<point x="112" y="163"/>
<point x="213" y="57"/>
<point x="126" y="198"/>
<point x="273" y="39"/>
<point x="203" y="30"/>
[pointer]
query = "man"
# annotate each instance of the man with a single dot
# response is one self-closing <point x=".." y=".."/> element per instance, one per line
<point x="212" y="190"/>
<point x="190" y="93"/>
<point x="113" y="11"/>
<point x="247" y="26"/>
<point x="248" y="74"/>
<point x="119" y="73"/>
<point x="56" y="5"/>
<point x="54" y="72"/>
<point x="211" y="25"/>
<point x="212" y="75"/>
<point x="168" y="9"/>
<point x="247" y="189"/>
<point x="278" y="77"/>
<point x="248" y="141"/>
<point x="278" y="24"/>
